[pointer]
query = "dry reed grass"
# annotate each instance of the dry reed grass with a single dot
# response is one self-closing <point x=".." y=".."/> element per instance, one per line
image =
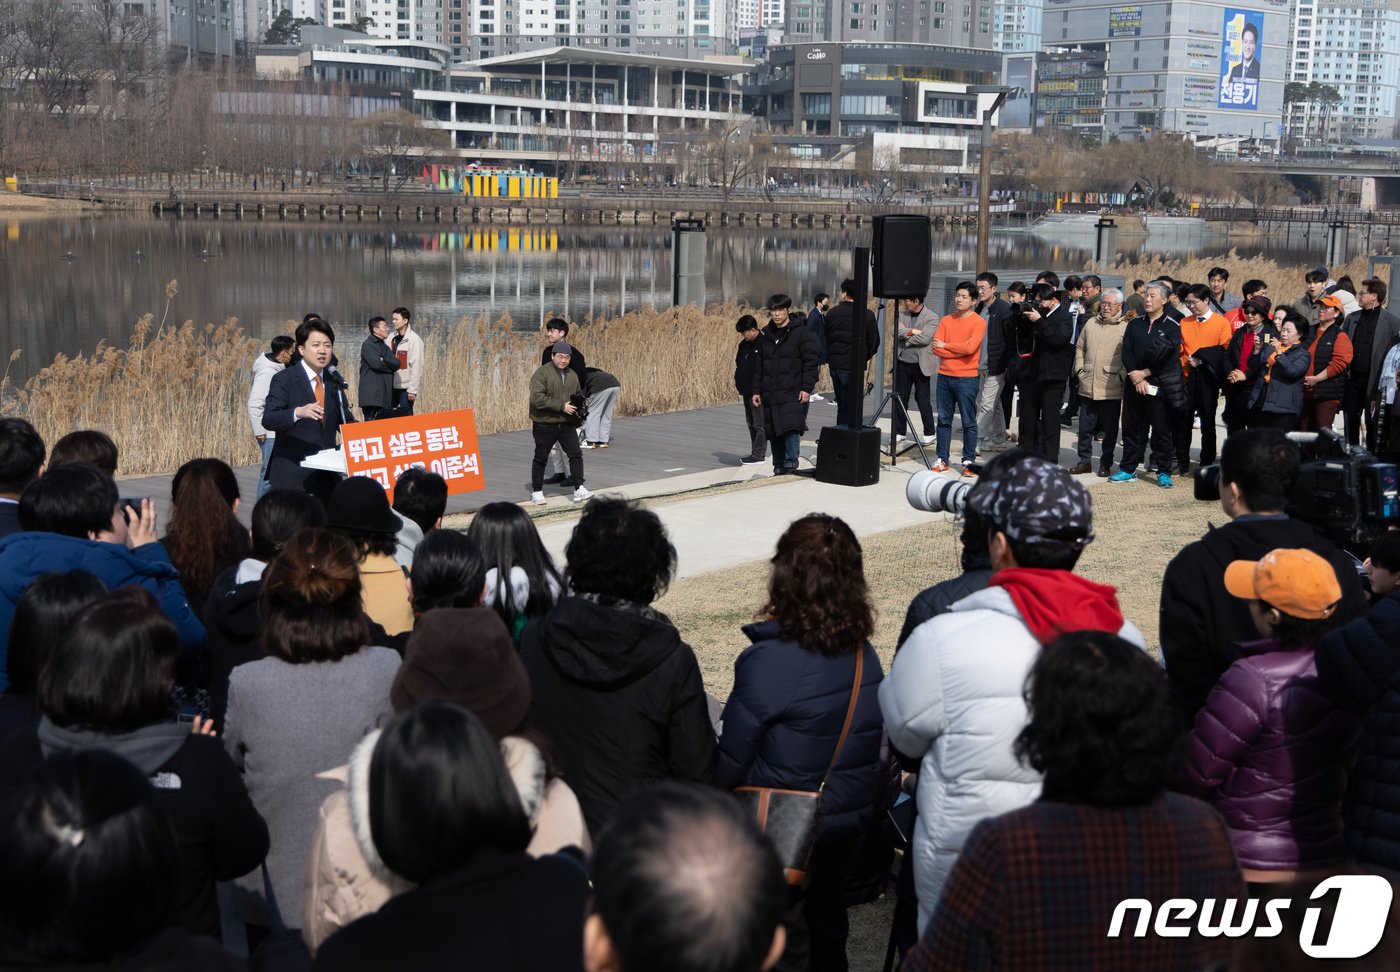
<point x="179" y="391"/>
<point x="1285" y="283"/>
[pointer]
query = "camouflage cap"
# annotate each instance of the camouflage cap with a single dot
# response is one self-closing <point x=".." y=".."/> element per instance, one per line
<point x="1036" y="501"/>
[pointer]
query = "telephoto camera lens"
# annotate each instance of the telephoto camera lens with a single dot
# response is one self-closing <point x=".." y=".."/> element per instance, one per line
<point x="935" y="493"/>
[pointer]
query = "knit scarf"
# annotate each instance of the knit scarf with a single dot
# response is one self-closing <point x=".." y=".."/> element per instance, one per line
<point x="1269" y="366"/>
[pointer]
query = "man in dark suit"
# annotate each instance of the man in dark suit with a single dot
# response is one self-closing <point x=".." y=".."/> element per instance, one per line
<point x="303" y="408"/>
<point x="378" y="362"/>
<point x="1372" y="331"/>
<point x="1248" y="68"/>
<point x="21" y="462"/>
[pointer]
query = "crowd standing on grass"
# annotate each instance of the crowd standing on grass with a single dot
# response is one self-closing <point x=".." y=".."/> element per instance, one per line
<point x="349" y="738"/>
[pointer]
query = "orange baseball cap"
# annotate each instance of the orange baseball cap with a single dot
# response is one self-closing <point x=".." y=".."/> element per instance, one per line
<point x="1332" y="300"/>
<point x="1297" y="582"/>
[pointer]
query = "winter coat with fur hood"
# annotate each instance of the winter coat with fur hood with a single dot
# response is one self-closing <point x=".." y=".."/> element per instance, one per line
<point x="346" y="880"/>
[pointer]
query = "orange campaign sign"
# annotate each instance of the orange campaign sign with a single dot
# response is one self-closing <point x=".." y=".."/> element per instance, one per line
<point x="440" y="442"/>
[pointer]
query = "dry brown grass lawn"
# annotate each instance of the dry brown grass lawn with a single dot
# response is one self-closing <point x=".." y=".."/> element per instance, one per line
<point x="1138" y="528"/>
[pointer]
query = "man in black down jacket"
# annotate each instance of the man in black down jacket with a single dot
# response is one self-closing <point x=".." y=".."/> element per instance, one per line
<point x="1044" y="373"/>
<point x="840" y="345"/>
<point x="1359" y="669"/>
<point x="1155" y="386"/>
<point x="1200" y="623"/>
<point x="745" y="367"/>
<point x="788" y="363"/>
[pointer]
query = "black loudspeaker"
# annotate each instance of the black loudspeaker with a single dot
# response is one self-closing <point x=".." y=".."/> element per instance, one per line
<point x="848" y="457"/>
<point x="903" y="256"/>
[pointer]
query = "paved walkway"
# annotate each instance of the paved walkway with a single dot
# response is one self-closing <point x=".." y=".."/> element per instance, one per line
<point x="673" y="454"/>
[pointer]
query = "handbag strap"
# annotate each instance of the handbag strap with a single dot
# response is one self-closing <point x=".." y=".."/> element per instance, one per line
<point x="850" y="713"/>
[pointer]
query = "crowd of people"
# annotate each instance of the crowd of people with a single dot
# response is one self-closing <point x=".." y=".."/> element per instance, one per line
<point x="1152" y="366"/>
<point x="349" y="738"/>
<point x="298" y="391"/>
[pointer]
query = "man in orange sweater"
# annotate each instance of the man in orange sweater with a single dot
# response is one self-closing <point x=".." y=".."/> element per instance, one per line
<point x="958" y="342"/>
<point x="1205" y="334"/>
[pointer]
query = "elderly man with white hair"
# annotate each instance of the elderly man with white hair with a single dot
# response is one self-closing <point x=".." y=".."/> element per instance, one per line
<point x="1098" y="369"/>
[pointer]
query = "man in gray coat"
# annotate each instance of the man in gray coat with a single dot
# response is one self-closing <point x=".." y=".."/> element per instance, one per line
<point x="1372" y="331"/>
<point x="378" y="362"/>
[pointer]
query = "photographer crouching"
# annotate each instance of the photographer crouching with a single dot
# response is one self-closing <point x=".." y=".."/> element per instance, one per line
<point x="557" y="406"/>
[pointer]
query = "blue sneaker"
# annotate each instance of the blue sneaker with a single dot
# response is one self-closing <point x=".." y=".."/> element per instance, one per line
<point x="1122" y="477"/>
<point x="1164" y="480"/>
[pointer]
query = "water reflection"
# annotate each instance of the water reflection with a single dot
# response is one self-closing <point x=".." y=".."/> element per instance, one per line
<point x="66" y="284"/>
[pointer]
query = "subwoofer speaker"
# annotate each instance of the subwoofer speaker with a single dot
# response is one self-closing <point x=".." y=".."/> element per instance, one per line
<point x="848" y="457"/>
<point x="902" y="255"/>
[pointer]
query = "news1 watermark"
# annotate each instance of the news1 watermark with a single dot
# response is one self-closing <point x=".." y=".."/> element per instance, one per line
<point x="1358" y="919"/>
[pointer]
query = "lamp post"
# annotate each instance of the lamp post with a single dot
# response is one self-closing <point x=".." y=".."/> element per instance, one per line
<point x="984" y="168"/>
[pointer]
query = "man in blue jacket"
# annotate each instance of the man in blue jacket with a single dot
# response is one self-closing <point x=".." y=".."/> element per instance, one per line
<point x="71" y="520"/>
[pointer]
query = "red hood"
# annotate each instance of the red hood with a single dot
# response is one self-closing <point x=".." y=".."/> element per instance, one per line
<point x="1054" y="602"/>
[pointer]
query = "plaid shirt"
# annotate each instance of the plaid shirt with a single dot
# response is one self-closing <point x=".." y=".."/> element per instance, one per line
<point x="1036" y="888"/>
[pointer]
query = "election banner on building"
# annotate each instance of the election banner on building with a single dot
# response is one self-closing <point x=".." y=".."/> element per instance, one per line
<point x="1241" y="42"/>
<point x="440" y="442"/>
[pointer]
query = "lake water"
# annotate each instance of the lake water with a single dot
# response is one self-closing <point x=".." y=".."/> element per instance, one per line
<point x="67" y="284"/>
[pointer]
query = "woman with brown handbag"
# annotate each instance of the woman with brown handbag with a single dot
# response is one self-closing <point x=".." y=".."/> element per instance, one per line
<point x="802" y="729"/>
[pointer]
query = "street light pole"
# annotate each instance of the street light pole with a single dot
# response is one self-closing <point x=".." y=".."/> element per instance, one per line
<point x="984" y="169"/>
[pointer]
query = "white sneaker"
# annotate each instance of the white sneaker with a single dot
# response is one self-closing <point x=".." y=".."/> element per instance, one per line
<point x="818" y="397"/>
<point x="537" y="497"/>
<point x="580" y="495"/>
<point x="1196" y="422"/>
<point x="927" y="439"/>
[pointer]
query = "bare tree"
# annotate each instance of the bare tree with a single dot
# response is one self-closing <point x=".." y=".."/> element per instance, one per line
<point x="54" y="58"/>
<point x="730" y="155"/>
<point x="395" y="144"/>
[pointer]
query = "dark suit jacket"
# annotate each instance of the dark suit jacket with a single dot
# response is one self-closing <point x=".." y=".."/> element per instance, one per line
<point x="1253" y="72"/>
<point x="296" y="438"/>
<point x="377" y="366"/>
<point x="9" y="519"/>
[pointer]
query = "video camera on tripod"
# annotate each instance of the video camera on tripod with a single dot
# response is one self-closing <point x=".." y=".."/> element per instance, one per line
<point x="1349" y="495"/>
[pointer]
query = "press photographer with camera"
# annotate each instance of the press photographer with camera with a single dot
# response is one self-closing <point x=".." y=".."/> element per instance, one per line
<point x="1201" y="623"/>
<point x="555" y="397"/>
<point x="1045" y="372"/>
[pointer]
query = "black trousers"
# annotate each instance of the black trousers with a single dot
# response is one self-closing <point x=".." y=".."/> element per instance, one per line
<point x="908" y="374"/>
<point x="1009" y="388"/>
<point x="1282" y="421"/>
<point x="758" y="440"/>
<point x="401" y="401"/>
<point x="545" y="438"/>
<point x="1202" y="399"/>
<point x="1040" y="417"/>
<point x="1144" y="414"/>
<point x="1095" y="417"/>
<point x="1354" y="398"/>
<point x="816" y="920"/>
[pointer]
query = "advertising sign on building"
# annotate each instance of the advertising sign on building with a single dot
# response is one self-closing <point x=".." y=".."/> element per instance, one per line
<point x="1240" y="44"/>
<point x="1125" y="21"/>
<point x="1020" y="78"/>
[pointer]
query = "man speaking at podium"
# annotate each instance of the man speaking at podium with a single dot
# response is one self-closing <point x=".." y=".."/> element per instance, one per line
<point x="301" y="408"/>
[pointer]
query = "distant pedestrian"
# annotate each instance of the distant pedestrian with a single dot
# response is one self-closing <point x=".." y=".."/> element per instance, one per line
<point x="745" y="370"/>
<point x="1098" y="380"/>
<point x="787" y="374"/>
<point x="554" y="396"/>
<point x="840" y="349"/>
<point x="409" y="347"/>
<point x="958" y="346"/>
<point x="378" y="365"/>
<point x="265" y="366"/>
<point x="601" y="389"/>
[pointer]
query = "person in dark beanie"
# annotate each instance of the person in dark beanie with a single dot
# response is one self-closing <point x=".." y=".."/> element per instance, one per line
<point x="359" y="509"/>
<point x="1201" y="624"/>
<point x="464" y="656"/>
